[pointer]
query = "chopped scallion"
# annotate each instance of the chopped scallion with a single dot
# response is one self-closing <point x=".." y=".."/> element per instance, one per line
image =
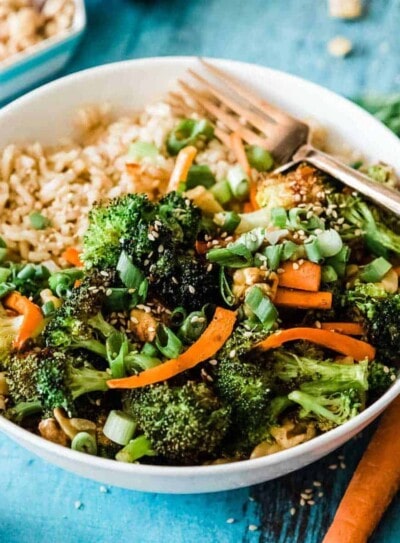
<point x="279" y="217"/>
<point x="117" y="348"/>
<point x="200" y="175"/>
<point x="135" y="449"/>
<point x="119" y="427"/>
<point x="189" y="132"/>
<point x="330" y="243"/>
<point x="142" y="149"/>
<point x="375" y="270"/>
<point x="238" y="182"/>
<point x="274" y="255"/>
<point x="329" y="274"/>
<point x="258" y="305"/>
<point x="84" y="442"/>
<point x="222" y="192"/>
<point x="313" y="251"/>
<point x="167" y="342"/>
<point x="259" y="158"/>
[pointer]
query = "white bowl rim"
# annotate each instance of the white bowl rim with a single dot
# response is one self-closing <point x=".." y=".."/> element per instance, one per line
<point x="20" y="434"/>
<point x="77" y="26"/>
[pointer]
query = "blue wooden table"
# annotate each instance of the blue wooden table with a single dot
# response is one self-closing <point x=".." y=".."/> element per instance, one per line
<point x="41" y="503"/>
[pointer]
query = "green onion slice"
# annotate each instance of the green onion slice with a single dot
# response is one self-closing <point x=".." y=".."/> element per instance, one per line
<point x="257" y="304"/>
<point x="259" y="158"/>
<point x="167" y="342"/>
<point x="84" y="442"/>
<point x="330" y="243"/>
<point x="375" y="270"/>
<point x="200" y="175"/>
<point x="142" y="149"/>
<point x="119" y="427"/>
<point x="38" y="221"/>
<point x="135" y="449"/>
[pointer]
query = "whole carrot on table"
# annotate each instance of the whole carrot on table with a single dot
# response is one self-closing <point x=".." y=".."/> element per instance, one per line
<point x="373" y="486"/>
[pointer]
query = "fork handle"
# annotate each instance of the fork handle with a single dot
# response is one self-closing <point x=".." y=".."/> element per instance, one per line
<point x="380" y="194"/>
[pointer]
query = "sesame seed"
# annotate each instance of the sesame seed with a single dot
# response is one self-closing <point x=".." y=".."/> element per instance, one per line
<point x="151" y="237"/>
<point x="134" y="320"/>
<point x="230" y="520"/>
<point x="308" y="490"/>
<point x="311" y="502"/>
<point x="251" y="499"/>
<point x="280" y="270"/>
<point x="293" y="511"/>
<point x="253" y="528"/>
<point x="160" y="248"/>
<point x="318" y="324"/>
<point x="317" y="483"/>
<point x="213" y="362"/>
<point x="305" y="496"/>
<point x="342" y="465"/>
<point x="295" y="266"/>
<point x="156" y="234"/>
<point x="320" y="494"/>
<point x="103" y="273"/>
<point x="232" y="354"/>
<point x="146" y="262"/>
<point x="209" y="267"/>
<point x="332" y="466"/>
<point x="302" y="502"/>
<point x="108" y="292"/>
<point x="191" y="289"/>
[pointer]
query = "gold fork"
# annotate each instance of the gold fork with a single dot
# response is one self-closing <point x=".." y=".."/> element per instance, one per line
<point x="238" y="109"/>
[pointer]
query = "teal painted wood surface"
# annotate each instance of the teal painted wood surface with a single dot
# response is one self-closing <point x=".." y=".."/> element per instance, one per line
<point x="41" y="503"/>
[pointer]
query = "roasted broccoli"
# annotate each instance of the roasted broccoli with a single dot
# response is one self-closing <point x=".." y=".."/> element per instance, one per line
<point x="380" y="378"/>
<point x="185" y="424"/>
<point x="303" y="185"/>
<point x="52" y="378"/>
<point x="184" y="281"/>
<point x="327" y="410"/>
<point x="317" y="376"/>
<point x="363" y="220"/>
<point x="142" y="228"/>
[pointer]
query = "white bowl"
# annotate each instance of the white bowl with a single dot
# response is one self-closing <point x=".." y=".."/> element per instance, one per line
<point x="40" y="62"/>
<point x="131" y="85"/>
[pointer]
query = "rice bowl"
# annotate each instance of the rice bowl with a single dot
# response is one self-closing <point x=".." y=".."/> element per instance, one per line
<point x="247" y="473"/>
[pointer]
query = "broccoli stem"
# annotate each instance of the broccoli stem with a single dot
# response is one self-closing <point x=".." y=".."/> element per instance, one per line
<point x="23" y="410"/>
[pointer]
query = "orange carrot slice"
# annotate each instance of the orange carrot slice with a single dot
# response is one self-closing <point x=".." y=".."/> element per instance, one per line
<point x="211" y="341"/>
<point x="71" y="255"/>
<point x="348" y="328"/>
<point x="305" y="276"/>
<point x="359" y="350"/>
<point x="181" y="169"/>
<point x="300" y="299"/>
<point x="373" y="485"/>
<point x="33" y="320"/>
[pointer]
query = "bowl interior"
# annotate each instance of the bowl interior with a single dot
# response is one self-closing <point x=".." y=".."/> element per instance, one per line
<point x="46" y="115"/>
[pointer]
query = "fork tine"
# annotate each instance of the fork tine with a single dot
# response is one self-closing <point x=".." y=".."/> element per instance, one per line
<point x="256" y="120"/>
<point x="228" y="120"/>
<point x="275" y="113"/>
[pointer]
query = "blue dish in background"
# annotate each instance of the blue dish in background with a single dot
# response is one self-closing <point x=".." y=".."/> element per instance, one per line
<point x="40" y="62"/>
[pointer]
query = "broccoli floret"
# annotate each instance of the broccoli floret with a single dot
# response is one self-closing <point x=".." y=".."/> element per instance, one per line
<point x="67" y="332"/>
<point x="245" y="385"/>
<point x="110" y="224"/>
<point x="78" y="323"/>
<point x="52" y="378"/>
<point x="185" y="281"/>
<point x="383" y="327"/>
<point x="9" y="328"/>
<point x="327" y="410"/>
<point x="366" y="223"/>
<point x="380" y="378"/>
<point x="182" y="217"/>
<point x="185" y="424"/>
<point x="140" y="227"/>
<point x="319" y="377"/>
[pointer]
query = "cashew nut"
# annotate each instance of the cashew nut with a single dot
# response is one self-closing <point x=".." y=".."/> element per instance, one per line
<point x="72" y="427"/>
<point x="143" y="325"/>
<point x="50" y="430"/>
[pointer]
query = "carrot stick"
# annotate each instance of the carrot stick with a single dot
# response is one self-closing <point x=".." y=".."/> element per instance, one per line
<point x="240" y="153"/>
<point x="348" y="328"/>
<point x="306" y="276"/>
<point x="303" y="300"/>
<point x="181" y="169"/>
<point x="33" y="321"/>
<point x="212" y="339"/>
<point x="71" y="255"/>
<point x="248" y="207"/>
<point x="373" y="485"/>
<point x="359" y="350"/>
